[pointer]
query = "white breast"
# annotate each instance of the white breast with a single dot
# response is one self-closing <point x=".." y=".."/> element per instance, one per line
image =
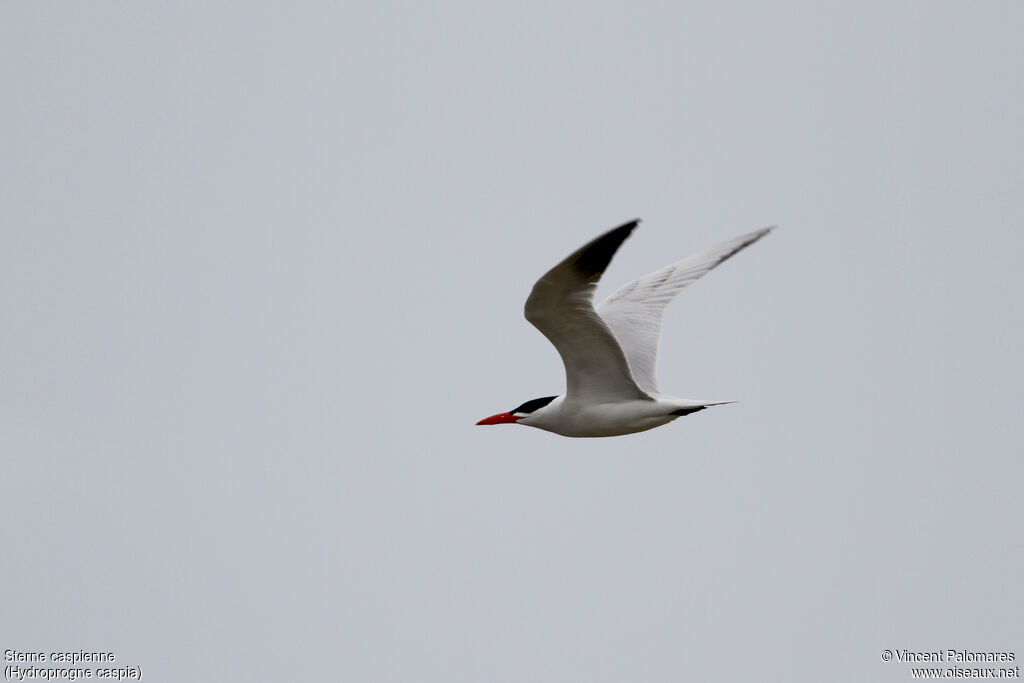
<point x="581" y="419"/>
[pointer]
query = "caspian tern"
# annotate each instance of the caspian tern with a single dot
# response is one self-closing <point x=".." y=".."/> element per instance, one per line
<point x="610" y="351"/>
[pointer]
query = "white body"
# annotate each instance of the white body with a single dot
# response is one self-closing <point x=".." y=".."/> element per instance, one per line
<point x="610" y="351"/>
<point x="581" y="419"/>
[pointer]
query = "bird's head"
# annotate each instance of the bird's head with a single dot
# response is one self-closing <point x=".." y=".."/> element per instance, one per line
<point x="523" y="412"/>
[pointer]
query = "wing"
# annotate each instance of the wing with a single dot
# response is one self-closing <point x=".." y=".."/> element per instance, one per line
<point x="634" y="312"/>
<point x="561" y="306"/>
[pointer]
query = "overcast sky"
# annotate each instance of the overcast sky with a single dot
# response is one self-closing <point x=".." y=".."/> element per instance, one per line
<point x="262" y="266"/>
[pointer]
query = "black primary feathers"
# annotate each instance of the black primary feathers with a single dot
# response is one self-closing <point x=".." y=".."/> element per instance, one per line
<point x="591" y="260"/>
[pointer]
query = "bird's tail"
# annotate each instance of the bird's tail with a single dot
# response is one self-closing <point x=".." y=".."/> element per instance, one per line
<point x="692" y="406"/>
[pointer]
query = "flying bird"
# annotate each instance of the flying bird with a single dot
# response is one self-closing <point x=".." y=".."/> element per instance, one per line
<point x="610" y="351"/>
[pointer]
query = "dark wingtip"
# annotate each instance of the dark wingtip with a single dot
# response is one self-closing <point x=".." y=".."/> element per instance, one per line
<point x="593" y="258"/>
<point x="687" y="411"/>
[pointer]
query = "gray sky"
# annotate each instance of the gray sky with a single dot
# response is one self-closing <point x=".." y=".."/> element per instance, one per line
<point x="262" y="267"/>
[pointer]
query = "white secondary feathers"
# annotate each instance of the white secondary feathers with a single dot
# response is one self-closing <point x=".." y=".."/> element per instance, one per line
<point x="634" y="312"/>
<point x="610" y="352"/>
<point x="561" y="306"/>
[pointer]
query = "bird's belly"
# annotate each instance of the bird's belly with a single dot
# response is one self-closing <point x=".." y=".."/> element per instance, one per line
<point x="611" y="419"/>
